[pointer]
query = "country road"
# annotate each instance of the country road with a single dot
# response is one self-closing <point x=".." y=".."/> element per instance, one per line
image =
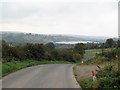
<point x="42" y="76"/>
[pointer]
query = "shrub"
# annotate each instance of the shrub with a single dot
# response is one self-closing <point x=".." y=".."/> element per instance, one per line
<point x="108" y="77"/>
<point x="87" y="84"/>
<point x="109" y="82"/>
<point x="77" y="57"/>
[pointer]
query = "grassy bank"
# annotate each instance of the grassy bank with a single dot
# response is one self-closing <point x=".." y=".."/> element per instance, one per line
<point x="106" y="70"/>
<point x="83" y="75"/>
<point x="9" y="67"/>
<point x="107" y="77"/>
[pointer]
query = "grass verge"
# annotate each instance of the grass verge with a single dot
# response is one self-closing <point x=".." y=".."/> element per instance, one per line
<point x="108" y="78"/>
<point x="9" y="67"/>
<point x="85" y="80"/>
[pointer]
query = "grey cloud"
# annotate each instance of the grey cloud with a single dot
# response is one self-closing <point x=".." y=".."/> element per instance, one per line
<point x="15" y="10"/>
<point x="62" y="17"/>
<point x="23" y="10"/>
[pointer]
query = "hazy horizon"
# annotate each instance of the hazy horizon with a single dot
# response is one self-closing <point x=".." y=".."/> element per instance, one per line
<point x="90" y="18"/>
<point x="59" y="34"/>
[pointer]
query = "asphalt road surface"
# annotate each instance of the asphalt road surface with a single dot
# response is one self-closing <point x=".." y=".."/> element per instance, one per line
<point x="42" y="76"/>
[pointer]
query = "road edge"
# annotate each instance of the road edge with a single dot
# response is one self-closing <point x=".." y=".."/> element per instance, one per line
<point x="76" y="82"/>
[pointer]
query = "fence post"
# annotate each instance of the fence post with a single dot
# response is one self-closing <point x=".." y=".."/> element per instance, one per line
<point x="94" y="86"/>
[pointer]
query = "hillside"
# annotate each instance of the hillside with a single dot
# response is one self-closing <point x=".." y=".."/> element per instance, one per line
<point x="21" y="38"/>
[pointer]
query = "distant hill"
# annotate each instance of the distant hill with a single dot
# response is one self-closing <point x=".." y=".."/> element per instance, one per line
<point x="22" y="38"/>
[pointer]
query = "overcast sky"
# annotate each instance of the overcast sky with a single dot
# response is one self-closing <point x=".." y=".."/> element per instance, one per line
<point x="79" y="17"/>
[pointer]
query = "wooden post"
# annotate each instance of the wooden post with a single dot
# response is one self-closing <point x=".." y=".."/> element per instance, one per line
<point x="94" y="86"/>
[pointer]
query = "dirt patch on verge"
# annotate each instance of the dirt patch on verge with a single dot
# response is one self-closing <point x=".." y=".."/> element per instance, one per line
<point x="83" y="71"/>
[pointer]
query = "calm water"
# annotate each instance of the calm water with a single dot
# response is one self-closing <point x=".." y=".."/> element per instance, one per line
<point x="74" y="42"/>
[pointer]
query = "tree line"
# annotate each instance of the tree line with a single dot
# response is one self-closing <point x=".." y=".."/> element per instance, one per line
<point x="41" y="52"/>
<point x="109" y="43"/>
<point x="49" y="52"/>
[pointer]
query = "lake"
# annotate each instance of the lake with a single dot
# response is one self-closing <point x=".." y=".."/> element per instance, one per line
<point x="75" y="42"/>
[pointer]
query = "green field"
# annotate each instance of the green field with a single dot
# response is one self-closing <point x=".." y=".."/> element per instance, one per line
<point x="92" y="52"/>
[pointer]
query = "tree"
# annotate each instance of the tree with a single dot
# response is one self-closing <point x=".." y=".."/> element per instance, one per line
<point x="34" y="51"/>
<point x="80" y="48"/>
<point x="20" y="53"/>
<point x="9" y="52"/>
<point x="55" y="54"/>
<point x="109" y="43"/>
<point x="77" y="57"/>
<point x="118" y="43"/>
<point x="28" y="51"/>
<point x="3" y="42"/>
<point x="38" y="51"/>
<point x="102" y="46"/>
<point x="50" y="46"/>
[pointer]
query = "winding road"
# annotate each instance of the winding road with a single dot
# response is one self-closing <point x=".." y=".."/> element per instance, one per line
<point x="42" y="76"/>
